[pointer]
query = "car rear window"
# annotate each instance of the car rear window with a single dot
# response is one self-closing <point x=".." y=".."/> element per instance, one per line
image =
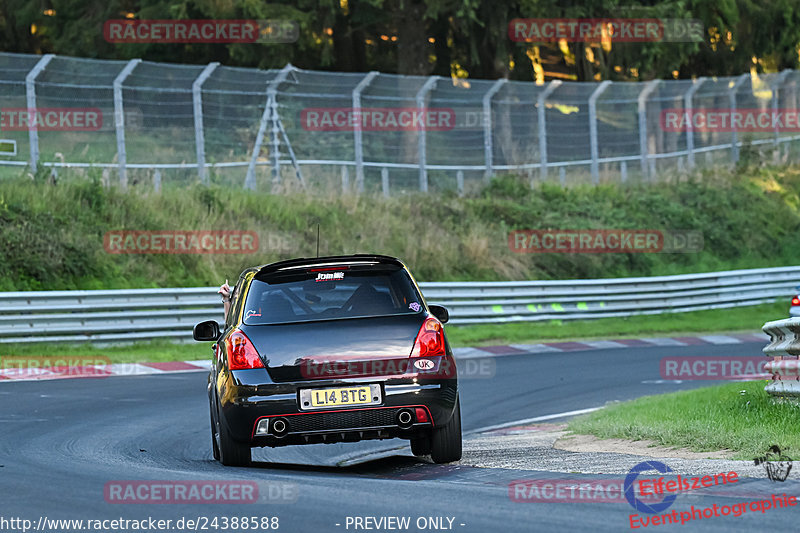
<point x="330" y="293"/>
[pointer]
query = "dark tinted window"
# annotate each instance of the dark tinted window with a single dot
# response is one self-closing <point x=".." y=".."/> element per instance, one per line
<point x="329" y="294"/>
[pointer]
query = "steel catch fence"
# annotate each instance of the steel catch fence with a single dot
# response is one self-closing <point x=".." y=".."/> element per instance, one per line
<point x="261" y="129"/>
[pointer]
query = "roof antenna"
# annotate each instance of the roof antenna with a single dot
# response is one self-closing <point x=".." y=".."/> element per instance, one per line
<point x="317" y="239"/>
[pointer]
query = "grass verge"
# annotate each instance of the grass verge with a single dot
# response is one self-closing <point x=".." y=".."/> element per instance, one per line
<point x="52" y="235"/>
<point x="139" y="352"/>
<point x="735" y="416"/>
<point x="712" y="321"/>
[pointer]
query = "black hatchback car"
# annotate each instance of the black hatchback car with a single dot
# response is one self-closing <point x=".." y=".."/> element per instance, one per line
<point x="331" y="349"/>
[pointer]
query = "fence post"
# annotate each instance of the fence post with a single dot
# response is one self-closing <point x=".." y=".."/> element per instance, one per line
<point x="732" y="97"/>
<point x="358" y="146"/>
<point x="487" y="125"/>
<point x="119" y="120"/>
<point x="345" y="180"/>
<point x="423" y="172"/>
<point x="197" y="105"/>
<point x="385" y="181"/>
<point x="687" y="110"/>
<point x="593" y="129"/>
<point x="775" y="88"/>
<point x="541" y="112"/>
<point x="250" y="179"/>
<point x="642" y="109"/>
<point x="30" y="96"/>
<point x="460" y="182"/>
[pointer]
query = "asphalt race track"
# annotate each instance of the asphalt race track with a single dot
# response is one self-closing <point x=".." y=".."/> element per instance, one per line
<point x="62" y="441"/>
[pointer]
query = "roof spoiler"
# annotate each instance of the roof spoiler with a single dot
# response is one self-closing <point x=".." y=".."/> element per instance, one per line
<point x="334" y="260"/>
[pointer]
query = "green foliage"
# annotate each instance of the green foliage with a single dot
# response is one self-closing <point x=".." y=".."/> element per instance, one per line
<point x="356" y="35"/>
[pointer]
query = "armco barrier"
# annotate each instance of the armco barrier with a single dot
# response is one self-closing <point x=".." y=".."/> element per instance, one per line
<point x="142" y="314"/>
<point x="784" y="348"/>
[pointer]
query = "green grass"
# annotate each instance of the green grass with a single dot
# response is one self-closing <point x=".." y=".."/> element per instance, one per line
<point x="51" y="235"/>
<point x="713" y="321"/>
<point x="131" y="353"/>
<point x="735" y="416"/>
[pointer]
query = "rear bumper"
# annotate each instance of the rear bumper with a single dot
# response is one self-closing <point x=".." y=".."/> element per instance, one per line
<point x="341" y="426"/>
<point x="243" y="404"/>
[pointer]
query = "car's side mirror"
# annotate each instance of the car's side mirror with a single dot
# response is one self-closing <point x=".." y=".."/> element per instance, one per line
<point x="206" y="331"/>
<point x="440" y="312"/>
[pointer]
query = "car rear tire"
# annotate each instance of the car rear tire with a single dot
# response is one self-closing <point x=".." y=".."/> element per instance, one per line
<point x="214" y="446"/>
<point x="421" y="445"/>
<point x="232" y="452"/>
<point x="446" y="440"/>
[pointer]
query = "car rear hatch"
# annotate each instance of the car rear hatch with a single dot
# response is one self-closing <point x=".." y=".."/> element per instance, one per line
<point x="336" y="349"/>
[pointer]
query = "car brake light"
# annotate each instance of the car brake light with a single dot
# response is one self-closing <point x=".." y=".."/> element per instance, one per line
<point x="795" y="301"/>
<point x="242" y="355"/>
<point x="430" y="340"/>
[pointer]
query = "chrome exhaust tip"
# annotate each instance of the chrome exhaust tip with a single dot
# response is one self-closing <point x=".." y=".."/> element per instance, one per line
<point x="405" y="418"/>
<point x="279" y="427"/>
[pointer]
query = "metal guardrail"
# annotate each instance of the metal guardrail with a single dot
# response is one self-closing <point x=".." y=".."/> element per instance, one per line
<point x="144" y="314"/>
<point x="784" y="348"/>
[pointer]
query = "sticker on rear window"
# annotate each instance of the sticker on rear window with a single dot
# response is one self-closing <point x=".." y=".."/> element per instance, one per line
<point x="414" y="306"/>
<point x="252" y="312"/>
<point x="329" y="276"/>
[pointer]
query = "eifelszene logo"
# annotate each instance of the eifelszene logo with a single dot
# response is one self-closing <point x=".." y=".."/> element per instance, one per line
<point x="630" y="495"/>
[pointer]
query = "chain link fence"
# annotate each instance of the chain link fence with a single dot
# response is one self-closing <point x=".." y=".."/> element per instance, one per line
<point x="291" y="128"/>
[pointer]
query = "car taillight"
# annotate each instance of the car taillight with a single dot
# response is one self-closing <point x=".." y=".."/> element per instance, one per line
<point x="242" y="355"/>
<point x="430" y="340"/>
<point x="795" y="301"/>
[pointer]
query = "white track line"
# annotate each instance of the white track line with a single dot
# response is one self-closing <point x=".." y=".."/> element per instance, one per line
<point x="534" y="419"/>
<point x="720" y="339"/>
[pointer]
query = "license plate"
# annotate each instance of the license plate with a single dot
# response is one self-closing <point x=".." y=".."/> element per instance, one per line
<point x="340" y="396"/>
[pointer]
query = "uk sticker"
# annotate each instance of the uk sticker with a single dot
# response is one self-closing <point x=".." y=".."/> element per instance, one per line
<point x="414" y="306"/>
<point x="424" y="364"/>
<point x="329" y="276"/>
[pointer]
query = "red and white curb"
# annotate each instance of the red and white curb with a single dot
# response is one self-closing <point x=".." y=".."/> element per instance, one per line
<point x="519" y="349"/>
<point x="141" y="369"/>
<point x="102" y="371"/>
